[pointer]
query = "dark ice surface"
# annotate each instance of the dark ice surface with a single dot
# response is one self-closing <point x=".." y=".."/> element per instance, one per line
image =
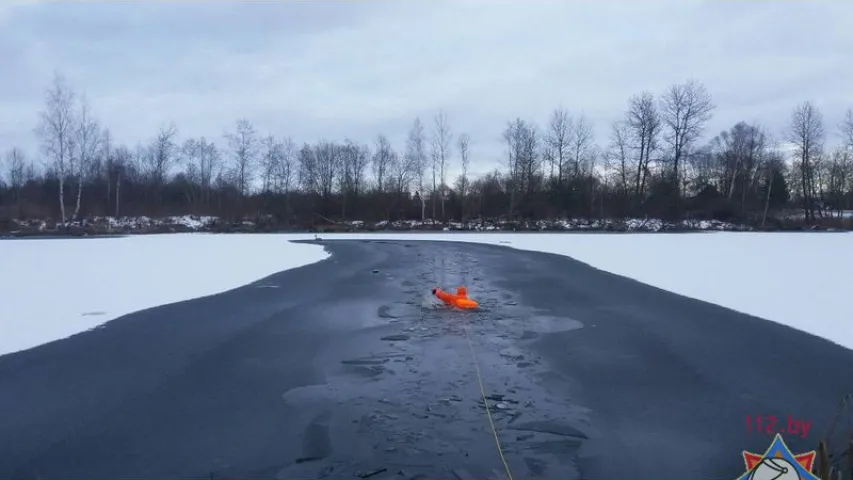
<point x="348" y="369"/>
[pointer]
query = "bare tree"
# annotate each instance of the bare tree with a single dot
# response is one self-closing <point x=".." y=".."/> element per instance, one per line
<point x="244" y="148"/>
<point x="402" y="172"/>
<point x="16" y="164"/>
<point x="286" y="167"/>
<point x="737" y="158"/>
<point x="619" y="156"/>
<point x="686" y="109"/>
<point x="108" y="155"/>
<point x="441" y="150"/>
<point x="352" y="165"/>
<point x="839" y="177"/>
<point x="523" y="160"/>
<point x="582" y="145"/>
<point x="327" y="160"/>
<point x="56" y="132"/>
<point x="308" y="174"/>
<point x="558" y="139"/>
<point x="847" y="129"/>
<point x="772" y="166"/>
<point x="530" y="161"/>
<point x="513" y="139"/>
<point x="359" y="167"/>
<point x="191" y="153"/>
<point x="123" y="157"/>
<point x="270" y="158"/>
<point x="463" y="182"/>
<point x="462" y="145"/>
<point x="159" y="157"/>
<point x="382" y="162"/>
<point x="643" y="121"/>
<point x="416" y="151"/>
<point x="807" y="134"/>
<point x="203" y="159"/>
<point x="209" y="161"/>
<point x="87" y="142"/>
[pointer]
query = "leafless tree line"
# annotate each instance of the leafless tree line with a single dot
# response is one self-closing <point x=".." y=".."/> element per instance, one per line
<point x="653" y="164"/>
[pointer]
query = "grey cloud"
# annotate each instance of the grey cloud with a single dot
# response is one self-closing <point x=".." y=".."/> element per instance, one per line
<point x="359" y="68"/>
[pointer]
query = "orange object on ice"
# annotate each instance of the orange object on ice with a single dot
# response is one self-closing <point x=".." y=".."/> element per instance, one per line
<point x="458" y="300"/>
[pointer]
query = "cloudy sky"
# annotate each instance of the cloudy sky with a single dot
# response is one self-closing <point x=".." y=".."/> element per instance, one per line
<point x="353" y="69"/>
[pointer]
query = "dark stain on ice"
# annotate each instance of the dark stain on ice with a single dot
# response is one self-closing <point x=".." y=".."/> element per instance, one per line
<point x="364" y="362"/>
<point x="387" y="311"/>
<point x="316" y="441"/>
<point x="529" y="335"/>
<point x="395" y="338"/>
<point x="552" y="427"/>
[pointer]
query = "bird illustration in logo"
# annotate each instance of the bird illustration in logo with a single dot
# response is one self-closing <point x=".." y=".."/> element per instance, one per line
<point x="778" y="463"/>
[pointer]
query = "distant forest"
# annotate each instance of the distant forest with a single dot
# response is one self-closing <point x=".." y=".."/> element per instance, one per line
<point x="657" y="163"/>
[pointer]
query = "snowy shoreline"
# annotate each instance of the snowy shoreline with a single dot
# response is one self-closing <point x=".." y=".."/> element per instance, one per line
<point x="189" y="223"/>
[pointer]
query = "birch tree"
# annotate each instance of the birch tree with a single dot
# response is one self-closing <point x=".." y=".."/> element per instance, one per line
<point x="56" y="133"/>
<point x="558" y="139"/>
<point x="464" y="160"/>
<point x="123" y="157"/>
<point x="462" y="145"/>
<point x="441" y="150"/>
<point x="87" y="142"/>
<point x="416" y="150"/>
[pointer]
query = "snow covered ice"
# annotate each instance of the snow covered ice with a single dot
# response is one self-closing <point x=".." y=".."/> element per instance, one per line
<point x="52" y="289"/>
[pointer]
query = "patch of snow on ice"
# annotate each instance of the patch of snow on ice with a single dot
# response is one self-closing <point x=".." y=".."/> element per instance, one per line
<point x="52" y="289"/>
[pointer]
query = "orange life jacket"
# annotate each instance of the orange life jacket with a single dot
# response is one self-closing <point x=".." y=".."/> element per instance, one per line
<point x="458" y="300"/>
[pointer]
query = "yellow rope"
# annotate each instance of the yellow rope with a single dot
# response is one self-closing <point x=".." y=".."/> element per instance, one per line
<point x="486" y="402"/>
<point x="480" y="383"/>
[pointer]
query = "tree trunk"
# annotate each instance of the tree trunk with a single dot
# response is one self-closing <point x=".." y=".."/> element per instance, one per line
<point x="62" y="197"/>
<point x="79" y="196"/>
<point x="118" y="193"/>
<point x="767" y="200"/>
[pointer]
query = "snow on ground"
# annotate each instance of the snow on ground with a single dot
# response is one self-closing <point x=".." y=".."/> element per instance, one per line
<point x="54" y="288"/>
<point x="797" y="279"/>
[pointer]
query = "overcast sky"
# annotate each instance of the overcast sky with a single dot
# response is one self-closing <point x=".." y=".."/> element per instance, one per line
<point x="314" y="69"/>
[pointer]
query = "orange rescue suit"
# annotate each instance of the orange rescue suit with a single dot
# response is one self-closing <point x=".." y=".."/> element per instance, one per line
<point x="458" y="300"/>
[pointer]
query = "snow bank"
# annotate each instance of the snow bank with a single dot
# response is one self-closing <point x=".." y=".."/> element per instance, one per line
<point x="52" y="289"/>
